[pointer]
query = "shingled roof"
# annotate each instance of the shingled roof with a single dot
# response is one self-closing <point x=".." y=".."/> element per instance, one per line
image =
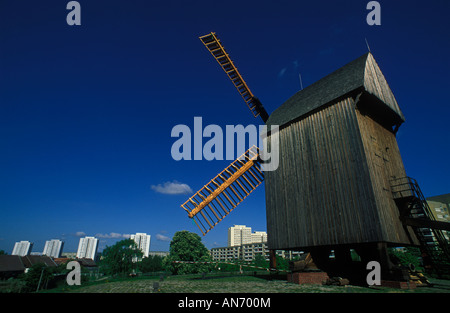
<point x="362" y="74"/>
<point x="30" y="260"/>
<point x="11" y="263"/>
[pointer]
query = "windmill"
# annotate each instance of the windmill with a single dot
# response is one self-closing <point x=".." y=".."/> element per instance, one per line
<point x="340" y="184"/>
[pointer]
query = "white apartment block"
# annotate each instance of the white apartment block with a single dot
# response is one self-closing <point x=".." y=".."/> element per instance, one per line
<point x="259" y="236"/>
<point x="143" y="242"/>
<point x="248" y="252"/>
<point x="87" y="248"/>
<point x="22" y="248"/>
<point x="245" y="245"/>
<point x="53" y="248"/>
<point x="239" y="235"/>
<point x="441" y="212"/>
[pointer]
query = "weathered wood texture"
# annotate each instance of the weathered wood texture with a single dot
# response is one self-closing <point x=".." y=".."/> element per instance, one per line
<point x="320" y="194"/>
<point x="332" y="186"/>
<point x="362" y="74"/>
<point x="375" y="84"/>
<point x="385" y="164"/>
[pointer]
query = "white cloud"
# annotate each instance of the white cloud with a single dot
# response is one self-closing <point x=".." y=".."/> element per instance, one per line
<point x="172" y="188"/>
<point x="80" y="234"/>
<point x="113" y="236"/>
<point x="162" y="237"/>
<point x="281" y="73"/>
<point x="290" y="69"/>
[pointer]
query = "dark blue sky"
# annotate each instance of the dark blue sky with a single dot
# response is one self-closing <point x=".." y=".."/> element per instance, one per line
<point x="86" y="112"/>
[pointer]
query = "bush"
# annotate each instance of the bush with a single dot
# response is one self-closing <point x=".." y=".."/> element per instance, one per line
<point x="409" y="255"/>
<point x="152" y="263"/>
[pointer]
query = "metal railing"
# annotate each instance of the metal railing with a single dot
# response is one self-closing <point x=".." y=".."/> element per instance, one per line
<point x="407" y="187"/>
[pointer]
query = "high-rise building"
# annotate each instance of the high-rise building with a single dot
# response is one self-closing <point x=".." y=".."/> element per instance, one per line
<point x="87" y="248"/>
<point x="239" y="235"/>
<point x="440" y="207"/>
<point x="259" y="236"/>
<point x="143" y="242"/>
<point x="245" y="245"/>
<point x="53" y="248"/>
<point x="22" y="248"/>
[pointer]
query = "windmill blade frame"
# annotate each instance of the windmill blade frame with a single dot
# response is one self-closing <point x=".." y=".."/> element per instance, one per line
<point x="208" y="206"/>
<point x="214" y="45"/>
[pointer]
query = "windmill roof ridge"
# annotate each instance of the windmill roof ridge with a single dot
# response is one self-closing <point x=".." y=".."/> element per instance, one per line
<point x="349" y="78"/>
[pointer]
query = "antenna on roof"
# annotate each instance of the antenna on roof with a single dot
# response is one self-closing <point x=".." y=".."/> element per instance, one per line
<point x="301" y="83"/>
<point x="367" y="43"/>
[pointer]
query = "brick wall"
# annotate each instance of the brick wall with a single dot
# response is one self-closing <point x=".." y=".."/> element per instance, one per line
<point x="316" y="278"/>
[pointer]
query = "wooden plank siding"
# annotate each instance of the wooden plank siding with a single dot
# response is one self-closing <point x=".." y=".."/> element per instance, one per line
<point x="328" y="189"/>
<point x="385" y="164"/>
<point x="319" y="195"/>
<point x="338" y="154"/>
<point x="375" y="83"/>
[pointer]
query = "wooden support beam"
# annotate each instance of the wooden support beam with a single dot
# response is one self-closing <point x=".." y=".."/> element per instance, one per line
<point x="272" y="259"/>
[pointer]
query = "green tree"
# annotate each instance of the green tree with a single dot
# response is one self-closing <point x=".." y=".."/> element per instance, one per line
<point x="120" y="258"/>
<point x="409" y="255"/>
<point x="282" y="263"/>
<point x="153" y="263"/>
<point x="37" y="275"/>
<point x="187" y="246"/>
<point x="260" y="261"/>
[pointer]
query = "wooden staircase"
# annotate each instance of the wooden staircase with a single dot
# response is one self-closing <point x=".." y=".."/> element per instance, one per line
<point x="415" y="212"/>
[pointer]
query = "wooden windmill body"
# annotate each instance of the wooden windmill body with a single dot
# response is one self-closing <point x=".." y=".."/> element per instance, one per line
<point x="338" y="156"/>
<point x="340" y="183"/>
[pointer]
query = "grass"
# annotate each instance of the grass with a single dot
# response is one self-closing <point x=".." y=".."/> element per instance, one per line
<point x="228" y="284"/>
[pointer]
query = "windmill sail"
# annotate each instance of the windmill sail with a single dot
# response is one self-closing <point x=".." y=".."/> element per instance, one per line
<point x="208" y="206"/>
<point x="213" y="44"/>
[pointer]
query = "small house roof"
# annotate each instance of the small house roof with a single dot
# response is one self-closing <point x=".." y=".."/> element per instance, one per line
<point x="30" y="260"/>
<point x="11" y="263"/>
